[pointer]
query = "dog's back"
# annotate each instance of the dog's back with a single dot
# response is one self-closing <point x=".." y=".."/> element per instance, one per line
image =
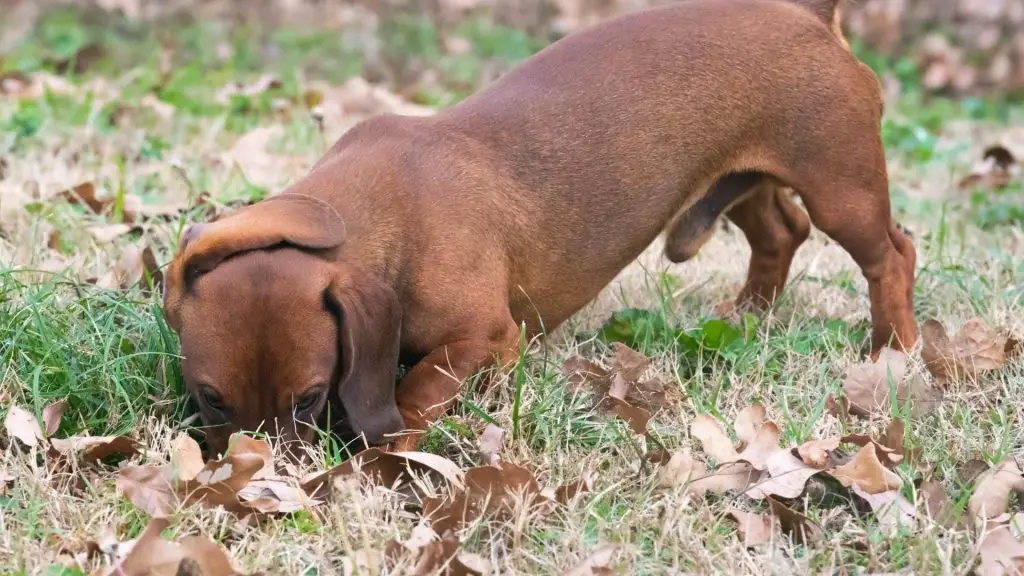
<point x="699" y="88"/>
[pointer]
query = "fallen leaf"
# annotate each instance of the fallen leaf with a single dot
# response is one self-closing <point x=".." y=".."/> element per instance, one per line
<point x="992" y="490"/>
<point x="974" y="350"/>
<point x="798" y="527"/>
<point x="818" y="453"/>
<point x="787" y="477"/>
<point x="23" y="87"/>
<point x="867" y="471"/>
<point x="762" y="446"/>
<point x="387" y="469"/>
<point x="193" y="555"/>
<point x="489" y="491"/>
<point x="276" y="495"/>
<point x="95" y="448"/>
<point x="735" y="476"/>
<point x="186" y="457"/>
<point x="135" y="265"/>
<point x="258" y="86"/>
<point x="599" y="563"/>
<point x="886" y="455"/>
<point x="716" y="443"/>
<point x="490" y="444"/>
<point x="890" y="507"/>
<point x="148" y="488"/>
<point x="159" y="489"/>
<point x="635" y="417"/>
<point x="1001" y="553"/>
<point x="749" y="421"/>
<point x="627" y="367"/>
<point x="937" y="504"/>
<point x="868" y="390"/>
<point x="995" y="170"/>
<point x="339" y="107"/>
<point x="52" y="416"/>
<point x="85" y="193"/>
<point x="21" y="424"/>
<point x="587" y="376"/>
<point x="754" y="529"/>
<point x="969" y="472"/>
<point x="240" y="443"/>
<point x="109" y="232"/>
<point x="251" y="154"/>
<point x="680" y="469"/>
<point x="443" y="557"/>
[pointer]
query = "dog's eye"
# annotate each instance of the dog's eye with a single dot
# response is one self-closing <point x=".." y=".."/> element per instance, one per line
<point x="307" y="402"/>
<point x="212" y="398"/>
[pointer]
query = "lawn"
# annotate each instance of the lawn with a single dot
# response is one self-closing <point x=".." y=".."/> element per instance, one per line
<point x="113" y="136"/>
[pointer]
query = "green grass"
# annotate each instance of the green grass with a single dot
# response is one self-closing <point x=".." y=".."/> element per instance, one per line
<point x="112" y="355"/>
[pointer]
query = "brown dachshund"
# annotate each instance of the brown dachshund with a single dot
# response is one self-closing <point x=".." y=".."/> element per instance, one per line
<point x="436" y="237"/>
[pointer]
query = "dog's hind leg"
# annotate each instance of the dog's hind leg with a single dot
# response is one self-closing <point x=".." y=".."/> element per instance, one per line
<point x="847" y="198"/>
<point x="690" y="230"/>
<point x="774" y="227"/>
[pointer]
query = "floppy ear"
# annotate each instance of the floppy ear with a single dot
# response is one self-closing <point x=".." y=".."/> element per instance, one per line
<point x="370" y="331"/>
<point x="295" y="219"/>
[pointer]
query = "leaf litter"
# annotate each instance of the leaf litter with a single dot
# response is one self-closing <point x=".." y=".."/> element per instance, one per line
<point x="21" y="424"/>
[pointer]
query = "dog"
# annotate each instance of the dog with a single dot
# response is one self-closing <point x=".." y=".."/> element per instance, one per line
<point x="435" y="239"/>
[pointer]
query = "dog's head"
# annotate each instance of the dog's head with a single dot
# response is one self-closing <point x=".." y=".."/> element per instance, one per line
<point x="274" y="330"/>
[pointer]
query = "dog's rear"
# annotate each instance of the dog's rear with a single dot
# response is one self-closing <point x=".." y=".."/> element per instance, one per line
<point x="693" y="227"/>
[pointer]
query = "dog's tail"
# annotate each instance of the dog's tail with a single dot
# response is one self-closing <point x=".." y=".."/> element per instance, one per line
<point x="828" y="12"/>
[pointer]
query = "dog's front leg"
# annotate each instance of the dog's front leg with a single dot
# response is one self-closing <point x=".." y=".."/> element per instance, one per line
<point x="432" y="386"/>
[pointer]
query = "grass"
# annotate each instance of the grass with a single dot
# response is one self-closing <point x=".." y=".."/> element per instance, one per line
<point x="113" y="357"/>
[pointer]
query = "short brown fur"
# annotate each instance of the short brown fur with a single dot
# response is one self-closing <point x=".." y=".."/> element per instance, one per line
<point x="436" y="237"/>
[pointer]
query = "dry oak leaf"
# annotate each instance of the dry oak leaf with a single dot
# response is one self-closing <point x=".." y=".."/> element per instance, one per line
<point x="992" y="491"/>
<point x="52" y="415"/>
<point x="193" y="555"/>
<point x="620" y="382"/>
<point x="787" y="477"/>
<point x="251" y="154"/>
<point x="974" y="350"/>
<point x="135" y="265"/>
<point x="635" y="417"/>
<point x="1001" y="553"/>
<point x="749" y="421"/>
<point x="95" y="448"/>
<point x="867" y="471"/>
<point x="628" y="366"/>
<point x="995" y="170"/>
<point x="764" y="444"/>
<point x="937" y="504"/>
<point x="797" y="526"/>
<point x="489" y="491"/>
<point x="680" y="469"/>
<point x="21" y="424"/>
<point x="886" y="455"/>
<point x="490" y="444"/>
<point x="890" y="507"/>
<point x="868" y="390"/>
<point x="817" y="453"/>
<point x="712" y="437"/>
<point x="599" y="563"/>
<point x="732" y="473"/>
<point x="159" y="489"/>
<point x="386" y="469"/>
<point x="754" y="529"/>
<point x="734" y="476"/>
